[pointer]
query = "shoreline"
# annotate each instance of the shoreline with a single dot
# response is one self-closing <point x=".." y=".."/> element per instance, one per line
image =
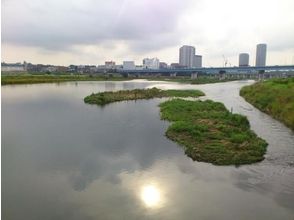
<point x="274" y="97"/>
<point x="59" y="78"/>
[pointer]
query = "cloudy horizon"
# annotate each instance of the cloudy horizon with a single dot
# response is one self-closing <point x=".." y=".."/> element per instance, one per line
<point x="92" y="32"/>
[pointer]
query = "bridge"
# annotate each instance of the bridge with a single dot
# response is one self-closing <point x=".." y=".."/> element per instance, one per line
<point x="213" y="70"/>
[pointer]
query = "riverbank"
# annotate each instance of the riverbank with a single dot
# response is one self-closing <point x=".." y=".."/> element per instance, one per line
<point x="58" y="78"/>
<point x="104" y="98"/>
<point x="188" y="80"/>
<point x="274" y="97"/>
<point x="210" y="133"/>
<point x="48" y="78"/>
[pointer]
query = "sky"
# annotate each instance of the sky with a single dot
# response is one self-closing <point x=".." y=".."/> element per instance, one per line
<point x="64" y="32"/>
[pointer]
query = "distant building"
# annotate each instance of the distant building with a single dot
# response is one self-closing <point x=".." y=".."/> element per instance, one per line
<point x="87" y="69"/>
<point x="109" y="65"/>
<point x="260" y="55"/>
<point x="129" y="65"/>
<point x="13" y="67"/>
<point x="118" y="67"/>
<point x="175" y="66"/>
<point x="186" y="56"/>
<point x="139" y="67"/>
<point x="61" y="69"/>
<point x="72" y="68"/>
<point x="50" y="69"/>
<point x="162" y="65"/>
<point x="197" y="62"/>
<point x="150" y="63"/>
<point x="243" y="59"/>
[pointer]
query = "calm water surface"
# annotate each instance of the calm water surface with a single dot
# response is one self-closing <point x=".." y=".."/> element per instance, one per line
<point x="64" y="159"/>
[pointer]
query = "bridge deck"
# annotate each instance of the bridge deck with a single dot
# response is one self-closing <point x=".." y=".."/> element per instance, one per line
<point x="250" y="69"/>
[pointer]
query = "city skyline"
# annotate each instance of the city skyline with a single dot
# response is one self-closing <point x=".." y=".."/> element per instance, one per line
<point x="91" y="32"/>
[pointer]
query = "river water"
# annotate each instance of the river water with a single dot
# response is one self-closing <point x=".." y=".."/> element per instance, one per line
<point x="64" y="159"/>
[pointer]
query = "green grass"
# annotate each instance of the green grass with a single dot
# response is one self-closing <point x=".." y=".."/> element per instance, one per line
<point x="205" y="80"/>
<point x="32" y="77"/>
<point x="274" y="97"/>
<point x="104" y="98"/>
<point x="210" y="133"/>
<point x="206" y="129"/>
<point x="199" y="80"/>
<point x="56" y="78"/>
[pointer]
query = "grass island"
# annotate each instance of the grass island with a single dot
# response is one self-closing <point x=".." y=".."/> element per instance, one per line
<point x="210" y="133"/>
<point x="206" y="130"/>
<point x="104" y="98"/>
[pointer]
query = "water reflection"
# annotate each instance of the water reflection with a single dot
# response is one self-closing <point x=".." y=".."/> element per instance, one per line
<point x="69" y="160"/>
<point x="151" y="195"/>
<point x="110" y="86"/>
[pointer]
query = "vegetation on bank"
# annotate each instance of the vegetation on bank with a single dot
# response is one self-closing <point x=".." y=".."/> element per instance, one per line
<point x="199" y="80"/>
<point x="104" y="98"/>
<point x="274" y="97"/>
<point x="56" y="78"/>
<point x="30" y="78"/>
<point x="210" y="133"/>
<point x="206" y="80"/>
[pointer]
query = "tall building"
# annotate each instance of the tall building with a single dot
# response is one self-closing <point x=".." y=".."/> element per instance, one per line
<point x="243" y="59"/>
<point x="150" y="63"/>
<point x="187" y="56"/>
<point x="197" y="62"/>
<point x="260" y="55"/>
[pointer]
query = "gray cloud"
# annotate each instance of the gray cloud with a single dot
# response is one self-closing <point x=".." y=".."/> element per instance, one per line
<point x="62" y="24"/>
<point x="91" y="31"/>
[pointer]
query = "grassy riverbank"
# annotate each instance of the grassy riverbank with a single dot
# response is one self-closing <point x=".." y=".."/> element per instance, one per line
<point x="210" y="133"/>
<point x="274" y="97"/>
<point x="104" y="98"/>
<point x="48" y="78"/>
<point x="188" y="80"/>
<point x="31" y="78"/>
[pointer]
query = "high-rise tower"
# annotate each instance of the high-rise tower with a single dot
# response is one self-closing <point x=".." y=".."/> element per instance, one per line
<point x="187" y="56"/>
<point x="260" y="55"/>
<point x="243" y="59"/>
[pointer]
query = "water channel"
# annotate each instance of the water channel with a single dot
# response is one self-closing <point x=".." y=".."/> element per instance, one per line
<point x="64" y="159"/>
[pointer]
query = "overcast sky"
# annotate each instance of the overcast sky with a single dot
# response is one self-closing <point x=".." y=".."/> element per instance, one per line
<point x="67" y="32"/>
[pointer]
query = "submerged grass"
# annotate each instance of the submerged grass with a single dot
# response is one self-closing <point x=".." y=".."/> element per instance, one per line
<point x="210" y="133"/>
<point x="274" y="97"/>
<point x="104" y="98"/>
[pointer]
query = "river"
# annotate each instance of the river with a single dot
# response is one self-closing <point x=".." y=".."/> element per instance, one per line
<point x="64" y="159"/>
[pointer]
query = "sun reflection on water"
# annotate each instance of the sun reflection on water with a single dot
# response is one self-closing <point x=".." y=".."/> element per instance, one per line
<point x="151" y="196"/>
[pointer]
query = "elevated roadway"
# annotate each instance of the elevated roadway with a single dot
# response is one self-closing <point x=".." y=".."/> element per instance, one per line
<point x="213" y="70"/>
